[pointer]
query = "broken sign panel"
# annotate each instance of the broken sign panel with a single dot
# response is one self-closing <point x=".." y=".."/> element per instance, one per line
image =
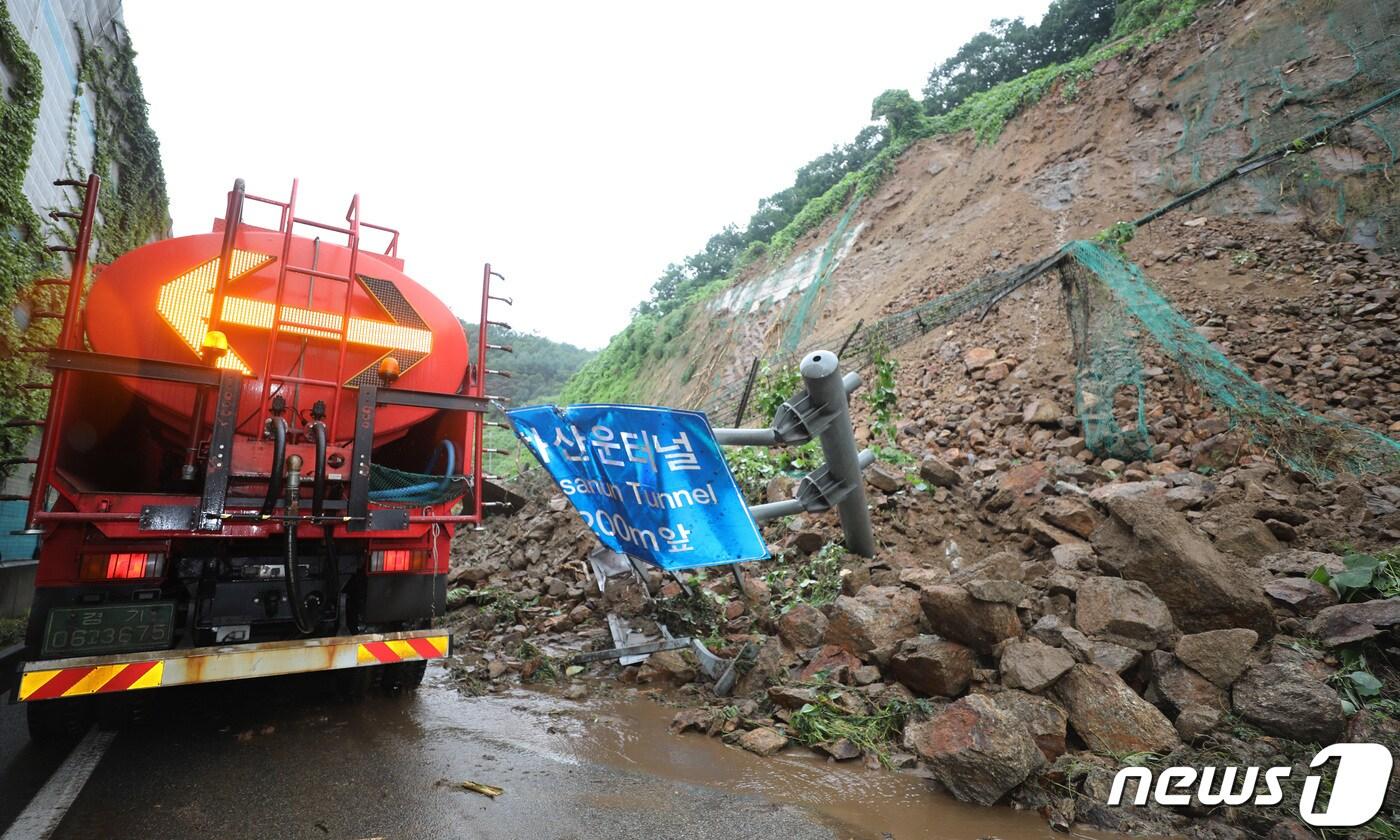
<point x="650" y="482"/>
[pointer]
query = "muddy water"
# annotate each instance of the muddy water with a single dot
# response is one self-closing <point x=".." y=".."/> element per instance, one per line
<point x="630" y="732"/>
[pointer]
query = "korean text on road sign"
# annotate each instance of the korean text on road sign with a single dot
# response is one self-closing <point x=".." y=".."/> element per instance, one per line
<point x="649" y="481"/>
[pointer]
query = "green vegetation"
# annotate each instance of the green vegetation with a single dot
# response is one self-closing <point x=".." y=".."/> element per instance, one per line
<point x="699" y="613"/>
<point x="23" y="256"/>
<point x="133" y="207"/>
<point x="1012" y="49"/>
<point x="537" y="666"/>
<point x="882" y="395"/>
<point x="538" y="366"/>
<point x="1355" y="682"/>
<point x="993" y="77"/>
<point x="1115" y="236"/>
<point x="1366" y="576"/>
<point x="12" y="630"/>
<point x="815" y="580"/>
<point x="830" y="718"/>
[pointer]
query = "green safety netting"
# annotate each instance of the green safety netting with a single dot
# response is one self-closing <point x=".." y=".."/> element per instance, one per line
<point x="388" y="486"/>
<point x="1270" y="83"/>
<point x="1115" y="311"/>
<point x="826" y="265"/>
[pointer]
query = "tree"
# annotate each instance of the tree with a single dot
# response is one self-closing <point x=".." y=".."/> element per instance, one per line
<point x="1011" y="49"/>
<point x="898" y="109"/>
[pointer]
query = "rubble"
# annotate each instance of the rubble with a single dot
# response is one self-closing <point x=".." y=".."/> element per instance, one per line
<point x="1109" y="716"/>
<point x="1151" y="543"/>
<point x="952" y="612"/>
<point x="1218" y="655"/>
<point x="1284" y="699"/>
<point x="1033" y="665"/>
<point x="976" y="750"/>
<point x="933" y="667"/>
<point x="1052" y="602"/>
<point x="1124" y="612"/>
<point x="878" y="616"/>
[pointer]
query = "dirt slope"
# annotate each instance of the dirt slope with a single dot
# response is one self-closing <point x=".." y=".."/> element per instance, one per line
<point x="1144" y="127"/>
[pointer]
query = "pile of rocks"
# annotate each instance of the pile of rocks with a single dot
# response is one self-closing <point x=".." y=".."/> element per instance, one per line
<point x="1046" y="613"/>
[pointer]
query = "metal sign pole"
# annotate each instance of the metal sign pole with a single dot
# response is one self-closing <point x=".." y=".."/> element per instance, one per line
<point x="821" y="374"/>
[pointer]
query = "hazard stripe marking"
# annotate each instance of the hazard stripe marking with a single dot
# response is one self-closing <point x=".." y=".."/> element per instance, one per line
<point x="131" y="675"/>
<point x="379" y="651"/>
<point x="398" y="650"/>
<point x="215" y="665"/>
<point x="425" y="648"/>
<point x="97" y="679"/>
<point x="59" y="683"/>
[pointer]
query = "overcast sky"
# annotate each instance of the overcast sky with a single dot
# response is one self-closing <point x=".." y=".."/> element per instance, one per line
<point x="579" y="147"/>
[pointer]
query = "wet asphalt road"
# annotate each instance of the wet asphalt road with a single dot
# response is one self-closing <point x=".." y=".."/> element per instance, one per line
<point x="257" y="761"/>
<point x="285" y="759"/>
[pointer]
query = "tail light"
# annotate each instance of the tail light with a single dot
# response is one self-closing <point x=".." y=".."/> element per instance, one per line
<point x="123" y="566"/>
<point x="400" y="560"/>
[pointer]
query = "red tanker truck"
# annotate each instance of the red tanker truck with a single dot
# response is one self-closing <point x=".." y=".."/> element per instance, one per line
<point x="259" y="443"/>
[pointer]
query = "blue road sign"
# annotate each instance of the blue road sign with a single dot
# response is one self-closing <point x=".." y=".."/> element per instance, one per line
<point x="651" y="482"/>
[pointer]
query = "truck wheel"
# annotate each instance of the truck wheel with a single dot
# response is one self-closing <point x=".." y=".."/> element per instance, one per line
<point x="404" y="676"/>
<point x="57" y="721"/>
<point x="352" y="684"/>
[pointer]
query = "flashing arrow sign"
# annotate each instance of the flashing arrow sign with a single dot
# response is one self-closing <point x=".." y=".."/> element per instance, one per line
<point x="186" y="303"/>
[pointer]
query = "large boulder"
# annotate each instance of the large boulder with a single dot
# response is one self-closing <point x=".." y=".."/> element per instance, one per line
<point x="803" y="626"/>
<point x="938" y="473"/>
<point x="1284" y="699"/>
<point x="932" y="666"/>
<point x="1123" y="611"/>
<point x="875" y="617"/>
<point x="1109" y="717"/>
<point x="1179" y="688"/>
<point x="1218" y="655"/>
<point x="1033" y="665"/>
<point x="1344" y="624"/>
<point x="954" y="613"/>
<point x="1246" y="538"/>
<point x="1041" y="716"/>
<point x="976" y="750"/>
<point x="764" y="740"/>
<point x="1071" y="514"/>
<point x="1146" y="540"/>
<point x="1304" y="595"/>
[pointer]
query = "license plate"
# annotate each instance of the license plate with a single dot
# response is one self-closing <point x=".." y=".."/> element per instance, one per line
<point x="82" y="631"/>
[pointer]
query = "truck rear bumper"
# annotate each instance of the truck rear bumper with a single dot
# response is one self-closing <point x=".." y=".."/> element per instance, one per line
<point x="54" y="678"/>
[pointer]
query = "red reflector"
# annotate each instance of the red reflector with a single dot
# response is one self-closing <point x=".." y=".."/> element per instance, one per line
<point x="400" y="560"/>
<point x="122" y="566"/>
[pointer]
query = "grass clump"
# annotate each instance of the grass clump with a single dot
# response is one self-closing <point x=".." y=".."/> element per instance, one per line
<point x="815" y="581"/>
<point x="826" y="719"/>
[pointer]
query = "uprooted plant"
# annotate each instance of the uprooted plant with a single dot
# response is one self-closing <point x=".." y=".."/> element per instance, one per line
<point x="831" y="716"/>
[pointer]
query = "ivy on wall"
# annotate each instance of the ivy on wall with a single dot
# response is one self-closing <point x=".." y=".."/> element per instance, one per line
<point x="133" y="207"/>
<point x="22" y="252"/>
<point x="133" y="204"/>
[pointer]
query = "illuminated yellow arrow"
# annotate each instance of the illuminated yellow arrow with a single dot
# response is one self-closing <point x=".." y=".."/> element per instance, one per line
<point x="186" y="302"/>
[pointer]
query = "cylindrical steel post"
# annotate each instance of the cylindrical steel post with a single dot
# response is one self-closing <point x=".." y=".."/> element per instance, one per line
<point x="821" y="374"/>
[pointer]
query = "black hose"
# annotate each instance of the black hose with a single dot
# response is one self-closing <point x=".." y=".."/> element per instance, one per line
<point x="318" y="486"/>
<point x="278" y="428"/>
<point x="293" y="584"/>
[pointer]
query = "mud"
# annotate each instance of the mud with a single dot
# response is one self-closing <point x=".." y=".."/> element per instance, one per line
<point x="631" y="732"/>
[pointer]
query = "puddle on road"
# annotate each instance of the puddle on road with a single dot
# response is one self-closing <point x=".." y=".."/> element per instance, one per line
<point x="631" y="733"/>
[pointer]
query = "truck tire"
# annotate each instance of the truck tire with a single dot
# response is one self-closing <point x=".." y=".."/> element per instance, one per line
<point x="404" y="676"/>
<point x="58" y="721"/>
<point x="352" y="684"/>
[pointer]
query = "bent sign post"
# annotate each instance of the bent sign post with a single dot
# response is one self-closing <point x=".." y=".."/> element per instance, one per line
<point x="649" y="481"/>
